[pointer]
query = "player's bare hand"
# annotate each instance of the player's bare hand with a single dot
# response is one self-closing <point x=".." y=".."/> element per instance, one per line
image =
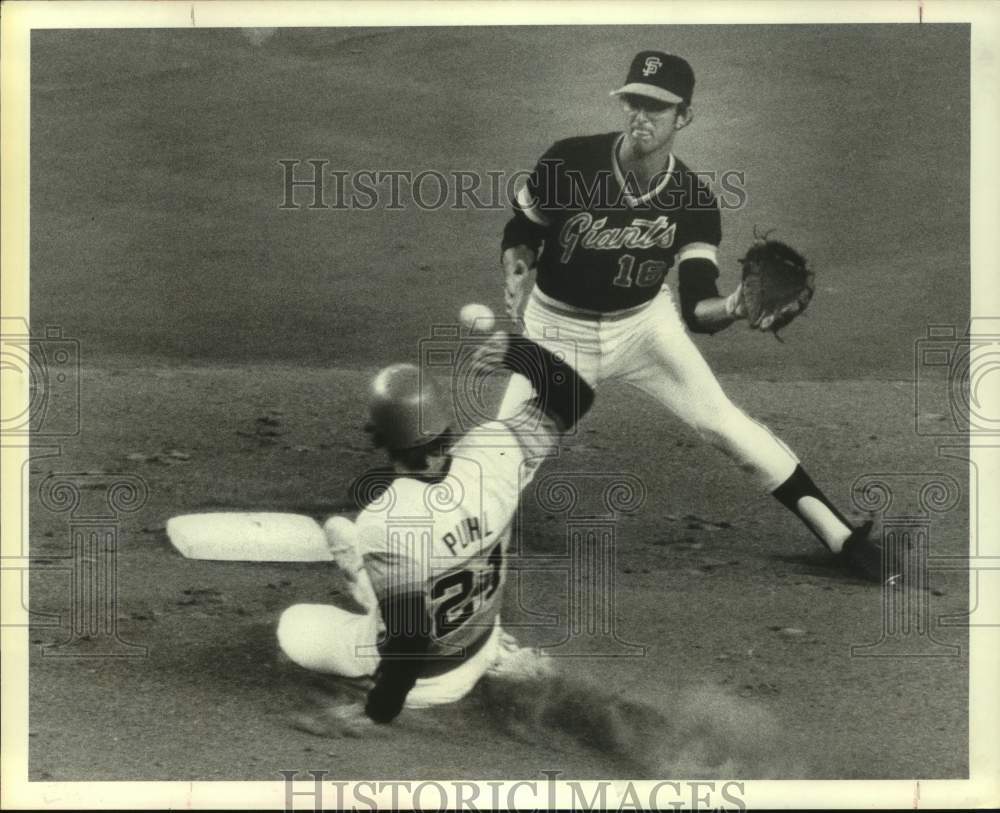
<point x="513" y="299"/>
<point x="345" y="720"/>
<point x="342" y="541"/>
<point x="736" y="305"/>
<point x="518" y="262"/>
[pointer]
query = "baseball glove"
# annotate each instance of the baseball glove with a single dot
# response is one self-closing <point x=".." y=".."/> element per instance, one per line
<point x="777" y="285"/>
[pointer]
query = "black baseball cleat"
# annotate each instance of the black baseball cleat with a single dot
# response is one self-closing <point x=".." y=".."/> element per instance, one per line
<point x="864" y="557"/>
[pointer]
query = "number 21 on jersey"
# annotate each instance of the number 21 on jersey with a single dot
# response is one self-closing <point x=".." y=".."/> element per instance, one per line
<point x="459" y="595"/>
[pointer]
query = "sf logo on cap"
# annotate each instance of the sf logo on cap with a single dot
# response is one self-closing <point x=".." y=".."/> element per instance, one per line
<point x="653" y="64"/>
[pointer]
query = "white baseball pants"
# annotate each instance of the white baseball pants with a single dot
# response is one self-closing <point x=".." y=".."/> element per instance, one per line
<point x="328" y="639"/>
<point x="332" y="640"/>
<point x="649" y="348"/>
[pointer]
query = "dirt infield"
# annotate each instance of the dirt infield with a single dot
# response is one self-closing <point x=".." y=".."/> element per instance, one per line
<point x="226" y="343"/>
<point x="708" y="576"/>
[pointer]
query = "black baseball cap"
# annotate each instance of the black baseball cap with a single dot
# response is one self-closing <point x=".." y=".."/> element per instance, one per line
<point x="660" y="76"/>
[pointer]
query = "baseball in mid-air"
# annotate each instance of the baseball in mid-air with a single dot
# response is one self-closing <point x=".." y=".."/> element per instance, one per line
<point x="477" y="318"/>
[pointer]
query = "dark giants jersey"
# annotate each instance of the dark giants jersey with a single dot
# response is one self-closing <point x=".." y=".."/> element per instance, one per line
<point x="605" y="248"/>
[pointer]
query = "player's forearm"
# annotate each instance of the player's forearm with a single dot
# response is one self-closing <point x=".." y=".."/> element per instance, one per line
<point x="714" y="314"/>
<point x="702" y="309"/>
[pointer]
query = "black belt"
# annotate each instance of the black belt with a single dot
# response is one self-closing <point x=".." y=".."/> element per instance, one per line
<point x="586" y="314"/>
<point x="441" y="664"/>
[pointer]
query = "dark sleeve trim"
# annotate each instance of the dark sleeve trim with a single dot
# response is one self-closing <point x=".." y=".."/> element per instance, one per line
<point x="403" y="651"/>
<point x="520" y="231"/>
<point x="696" y="283"/>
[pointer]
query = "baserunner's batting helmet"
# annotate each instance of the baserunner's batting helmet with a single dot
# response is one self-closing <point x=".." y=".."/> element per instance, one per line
<point x="406" y="410"/>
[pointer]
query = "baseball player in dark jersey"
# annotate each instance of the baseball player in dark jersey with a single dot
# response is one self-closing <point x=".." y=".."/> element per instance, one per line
<point x="602" y="219"/>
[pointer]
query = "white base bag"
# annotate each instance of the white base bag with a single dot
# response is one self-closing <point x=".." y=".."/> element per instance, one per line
<point x="249" y="537"/>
